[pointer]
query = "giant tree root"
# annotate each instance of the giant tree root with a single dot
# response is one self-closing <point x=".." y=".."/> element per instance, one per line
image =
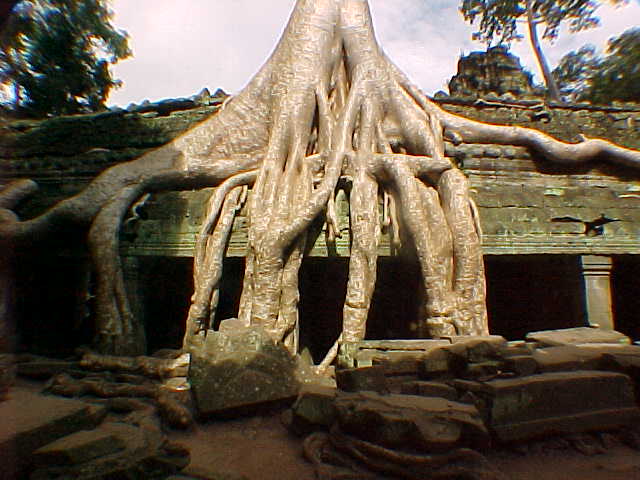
<point x="148" y="366"/>
<point x="171" y="410"/>
<point x="341" y="456"/>
<point x="328" y="104"/>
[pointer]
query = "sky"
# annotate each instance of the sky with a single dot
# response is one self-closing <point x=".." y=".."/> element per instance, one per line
<point x="181" y="46"/>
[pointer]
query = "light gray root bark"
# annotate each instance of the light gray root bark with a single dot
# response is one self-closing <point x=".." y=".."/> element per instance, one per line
<point x="211" y="246"/>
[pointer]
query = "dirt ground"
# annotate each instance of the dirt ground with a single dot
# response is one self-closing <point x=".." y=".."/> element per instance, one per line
<point x="261" y="448"/>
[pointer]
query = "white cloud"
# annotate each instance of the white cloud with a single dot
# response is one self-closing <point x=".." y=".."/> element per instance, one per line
<point x="182" y="46"/>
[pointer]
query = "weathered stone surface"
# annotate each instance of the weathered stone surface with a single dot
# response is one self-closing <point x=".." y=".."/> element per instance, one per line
<point x="624" y="359"/>
<point x="521" y="365"/>
<point x="556" y="403"/>
<point x="481" y="348"/>
<point x="78" y="447"/>
<point x="518" y="348"/>
<point x="568" y="357"/>
<point x="241" y="370"/>
<point x="448" y="360"/>
<point x="406" y="422"/>
<point x="574" y="336"/>
<point x="362" y="379"/>
<point x="386" y="352"/>
<point x="313" y="409"/>
<point x="397" y="363"/>
<point x="146" y="454"/>
<point x="494" y="71"/>
<point x="30" y="421"/>
<point x="483" y="370"/>
<point x="429" y="389"/>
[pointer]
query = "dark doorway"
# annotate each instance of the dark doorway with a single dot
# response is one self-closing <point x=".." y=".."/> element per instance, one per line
<point x="323" y="285"/>
<point x="52" y="304"/>
<point x="625" y="288"/>
<point x="527" y="293"/>
<point x="165" y="290"/>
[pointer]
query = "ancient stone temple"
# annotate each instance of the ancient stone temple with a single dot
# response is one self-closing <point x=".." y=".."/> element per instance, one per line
<point x="494" y="72"/>
<point x="560" y="244"/>
<point x="195" y="259"/>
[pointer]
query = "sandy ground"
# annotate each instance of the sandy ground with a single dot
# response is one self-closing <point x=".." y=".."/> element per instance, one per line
<point x="257" y="447"/>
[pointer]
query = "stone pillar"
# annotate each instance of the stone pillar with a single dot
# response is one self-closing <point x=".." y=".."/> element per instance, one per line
<point x="596" y="272"/>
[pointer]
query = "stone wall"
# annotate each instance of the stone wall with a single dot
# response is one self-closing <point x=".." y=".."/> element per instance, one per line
<point x="525" y="203"/>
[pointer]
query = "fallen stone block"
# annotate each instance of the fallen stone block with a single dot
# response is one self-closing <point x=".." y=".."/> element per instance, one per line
<point x="397" y="363"/>
<point x="624" y="359"/>
<point x="78" y="447"/>
<point x="481" y="348"/>
<point x="363" y="353"/>
<point x="483" y="370"/>
<point x="31" y="420"/>
<point x="566" y="358"/>
<point x="449" y="360"/>
<point x="313" y="409"/>
<point x="429" y="389"/>
<point x="519" y="347"/>
<point x="556" y="403"/>
<point x="521" y="365"/>
<point x="407" y="422"/>
<point x="574" y="336"/>
<point x="238" y="371"/>
<point x="362" y="379"/>
<point x="145" y="453"/>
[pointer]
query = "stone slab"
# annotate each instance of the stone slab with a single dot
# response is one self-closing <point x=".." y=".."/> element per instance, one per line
<point x="556" y="403"/>
<point x="31" y="420"/>
<point x="445" y="360"/>
<point x="362" y="379"/>
<point x="574" y="336"/>
<point x="146" y="453"/>
<point x="362" y="354"/>
<point x="480" y="348"/>
<point x="410" y="423"/>
<point x="313" y="409"/>
<point x="239" y="371"/>
<point x="567" y="357"/>
<point x="429" y="389"/>
<point x="521" y="365"/>
<point x="78" y="447"/>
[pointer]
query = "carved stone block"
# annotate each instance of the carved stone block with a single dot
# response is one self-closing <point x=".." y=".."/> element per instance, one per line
<point x="423" y="424"/>
<point x="556" y="403"/>
<point x="241" y="370"/>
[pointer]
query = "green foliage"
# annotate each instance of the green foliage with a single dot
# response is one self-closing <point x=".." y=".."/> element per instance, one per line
<point x="586" y="76"/>
<point x="574" y="72"/>
<point x="499" y="22"/>
<point x="498" y="19"/>
<point x="56" y="56"/>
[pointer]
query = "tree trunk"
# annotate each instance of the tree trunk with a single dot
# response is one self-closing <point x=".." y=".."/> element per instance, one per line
<point x="553" y="93"/>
